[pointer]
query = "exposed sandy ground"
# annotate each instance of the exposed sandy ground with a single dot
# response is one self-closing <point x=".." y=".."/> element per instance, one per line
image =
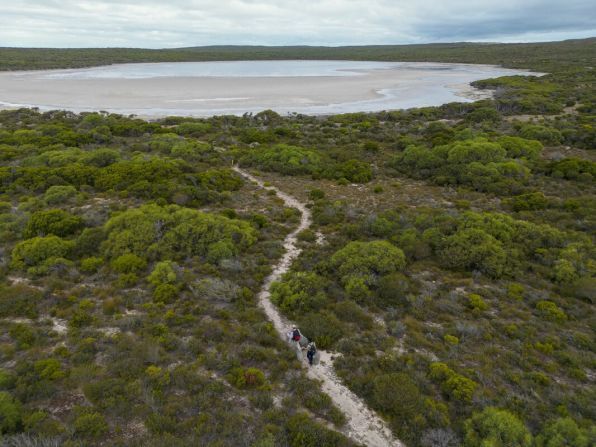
<point x="363" y="424"/>
<point x="372" y="90"/>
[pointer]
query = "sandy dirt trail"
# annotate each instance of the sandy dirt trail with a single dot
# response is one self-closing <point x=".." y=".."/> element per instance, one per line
<point x="363" y="424"/>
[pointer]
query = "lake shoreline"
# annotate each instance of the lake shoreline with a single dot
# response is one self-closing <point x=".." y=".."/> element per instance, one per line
<point x="397" y="87"/>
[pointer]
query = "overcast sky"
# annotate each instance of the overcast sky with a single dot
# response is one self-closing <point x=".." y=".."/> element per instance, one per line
<point x="179" y="23"/>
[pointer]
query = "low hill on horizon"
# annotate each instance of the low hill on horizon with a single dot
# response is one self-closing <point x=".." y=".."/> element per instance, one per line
<point x="540" y="55"/>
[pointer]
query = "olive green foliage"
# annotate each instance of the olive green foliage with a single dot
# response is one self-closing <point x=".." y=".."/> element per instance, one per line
<point x="91" y="425"/>
<point x="543" y="56"/>
<point x="550" y="310"/>
<point x="478" y="163"/>
<point x="467" y="290"/>
<point x="573" y="169"/>
<point x="496" y="427"/>
<point x="152" y="231"/>
<point x="38" y="250"/>
<point x="247" y="378"/>
<point x="289" y="160"/>
<point x="164" y="272"/>
<point x="10" y="413"/>
<point x="299" y="292"/>
<point x="544" y="134"/>
<point x="453" y="384"/>
<point x="563" y="432"/>
<point x="475" y="302"/>
<point x="294" y="160"/>
<point x="91" y="264"/>
<point x="471" y="249"/>
<point x="56" y="222"/>
<point x="59" y="194"/>
<point x="361" y="263"/>
<point x="303" y="433"/>
<point x="528" y="202"/>
<point x="397" y="394"/>
<point x="517" y="147"/>
<point x="129" y="263"/>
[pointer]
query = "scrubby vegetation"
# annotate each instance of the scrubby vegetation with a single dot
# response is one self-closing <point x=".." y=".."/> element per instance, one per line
<point x="130" y="264"/>
<point x="456" y="281"/>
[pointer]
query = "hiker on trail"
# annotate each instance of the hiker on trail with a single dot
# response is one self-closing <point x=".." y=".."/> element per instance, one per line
<point x="311" y="352"/>
<point x="296" y="335"/>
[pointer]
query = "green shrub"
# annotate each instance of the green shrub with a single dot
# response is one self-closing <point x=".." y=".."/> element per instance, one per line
<point x="453" y="384"/>
<point x="59" y="194"/>
<point x="360" y="263"/>
<point x="316" y="194"/>
<point x="299" y="292"/>
<point x="7" y="379"/>
<point x="221" y="180"/>
<point x="173" y="232"/>
<point x="165" y="293"/>
<point x="484" y="114"/>
<point x="91" y="264"/>
<point x="528" y="202"/>
<point x="91" y="426"/>
<point x="515" y="291"/>
<point x="220" y="250"/>
<point x="24" y="335"/>
<point x="397" y="395"/>
<point x="451" y="340"/>
<point x="88" y="242"/>
<point x="129" y="263"/>
<point x="551" y="311"/>
<point x="35" y="251"/>
<point x="520" y="148"/>
<point x="56" y="222"/>
<point x="546" y="135"/>
<point x="285" y="159"/>
<point x="584" y="288"/>
<point x="324" y="328"/>
<point x="475" y="302"/>
<point x="562" y="432"/>
<point x="10" y="413"/>
<point x="473" y="249"/>
<point x="495" y="427"/>
<point x="101" y="157"/>
<point x="193" y="129"/>
<point x="49" y="369"/>
<point x="355" y="171"/>
<point x="19" y="301"/>
<point x="157" y="377"/>
<point x="164" y="272"/>
<point x="247" y="377"/>
<point x="126" y="280"/>
<point x="302" y="431"/>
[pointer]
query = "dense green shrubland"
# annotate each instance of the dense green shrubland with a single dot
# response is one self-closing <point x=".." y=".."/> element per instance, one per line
<point x="456" y="279"/>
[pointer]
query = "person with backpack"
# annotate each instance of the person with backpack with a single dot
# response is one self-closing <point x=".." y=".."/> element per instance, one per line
<point x="311" y="352"/>
<point x="296" y="335"/>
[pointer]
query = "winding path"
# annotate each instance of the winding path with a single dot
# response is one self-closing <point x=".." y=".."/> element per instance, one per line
<point x="363" y="424"/>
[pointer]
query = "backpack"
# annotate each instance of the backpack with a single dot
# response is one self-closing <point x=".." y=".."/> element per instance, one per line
<point x="296" y="335"/>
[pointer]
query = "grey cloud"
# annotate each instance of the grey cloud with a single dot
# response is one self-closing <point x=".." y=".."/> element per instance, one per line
<point x="153" y="23"/>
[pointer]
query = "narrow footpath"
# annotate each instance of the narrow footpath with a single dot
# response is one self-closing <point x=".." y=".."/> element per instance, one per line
<point x="363" y="424"/>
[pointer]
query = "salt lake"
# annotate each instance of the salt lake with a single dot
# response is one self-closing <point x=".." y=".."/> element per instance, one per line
<point x="154" y="90"/>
